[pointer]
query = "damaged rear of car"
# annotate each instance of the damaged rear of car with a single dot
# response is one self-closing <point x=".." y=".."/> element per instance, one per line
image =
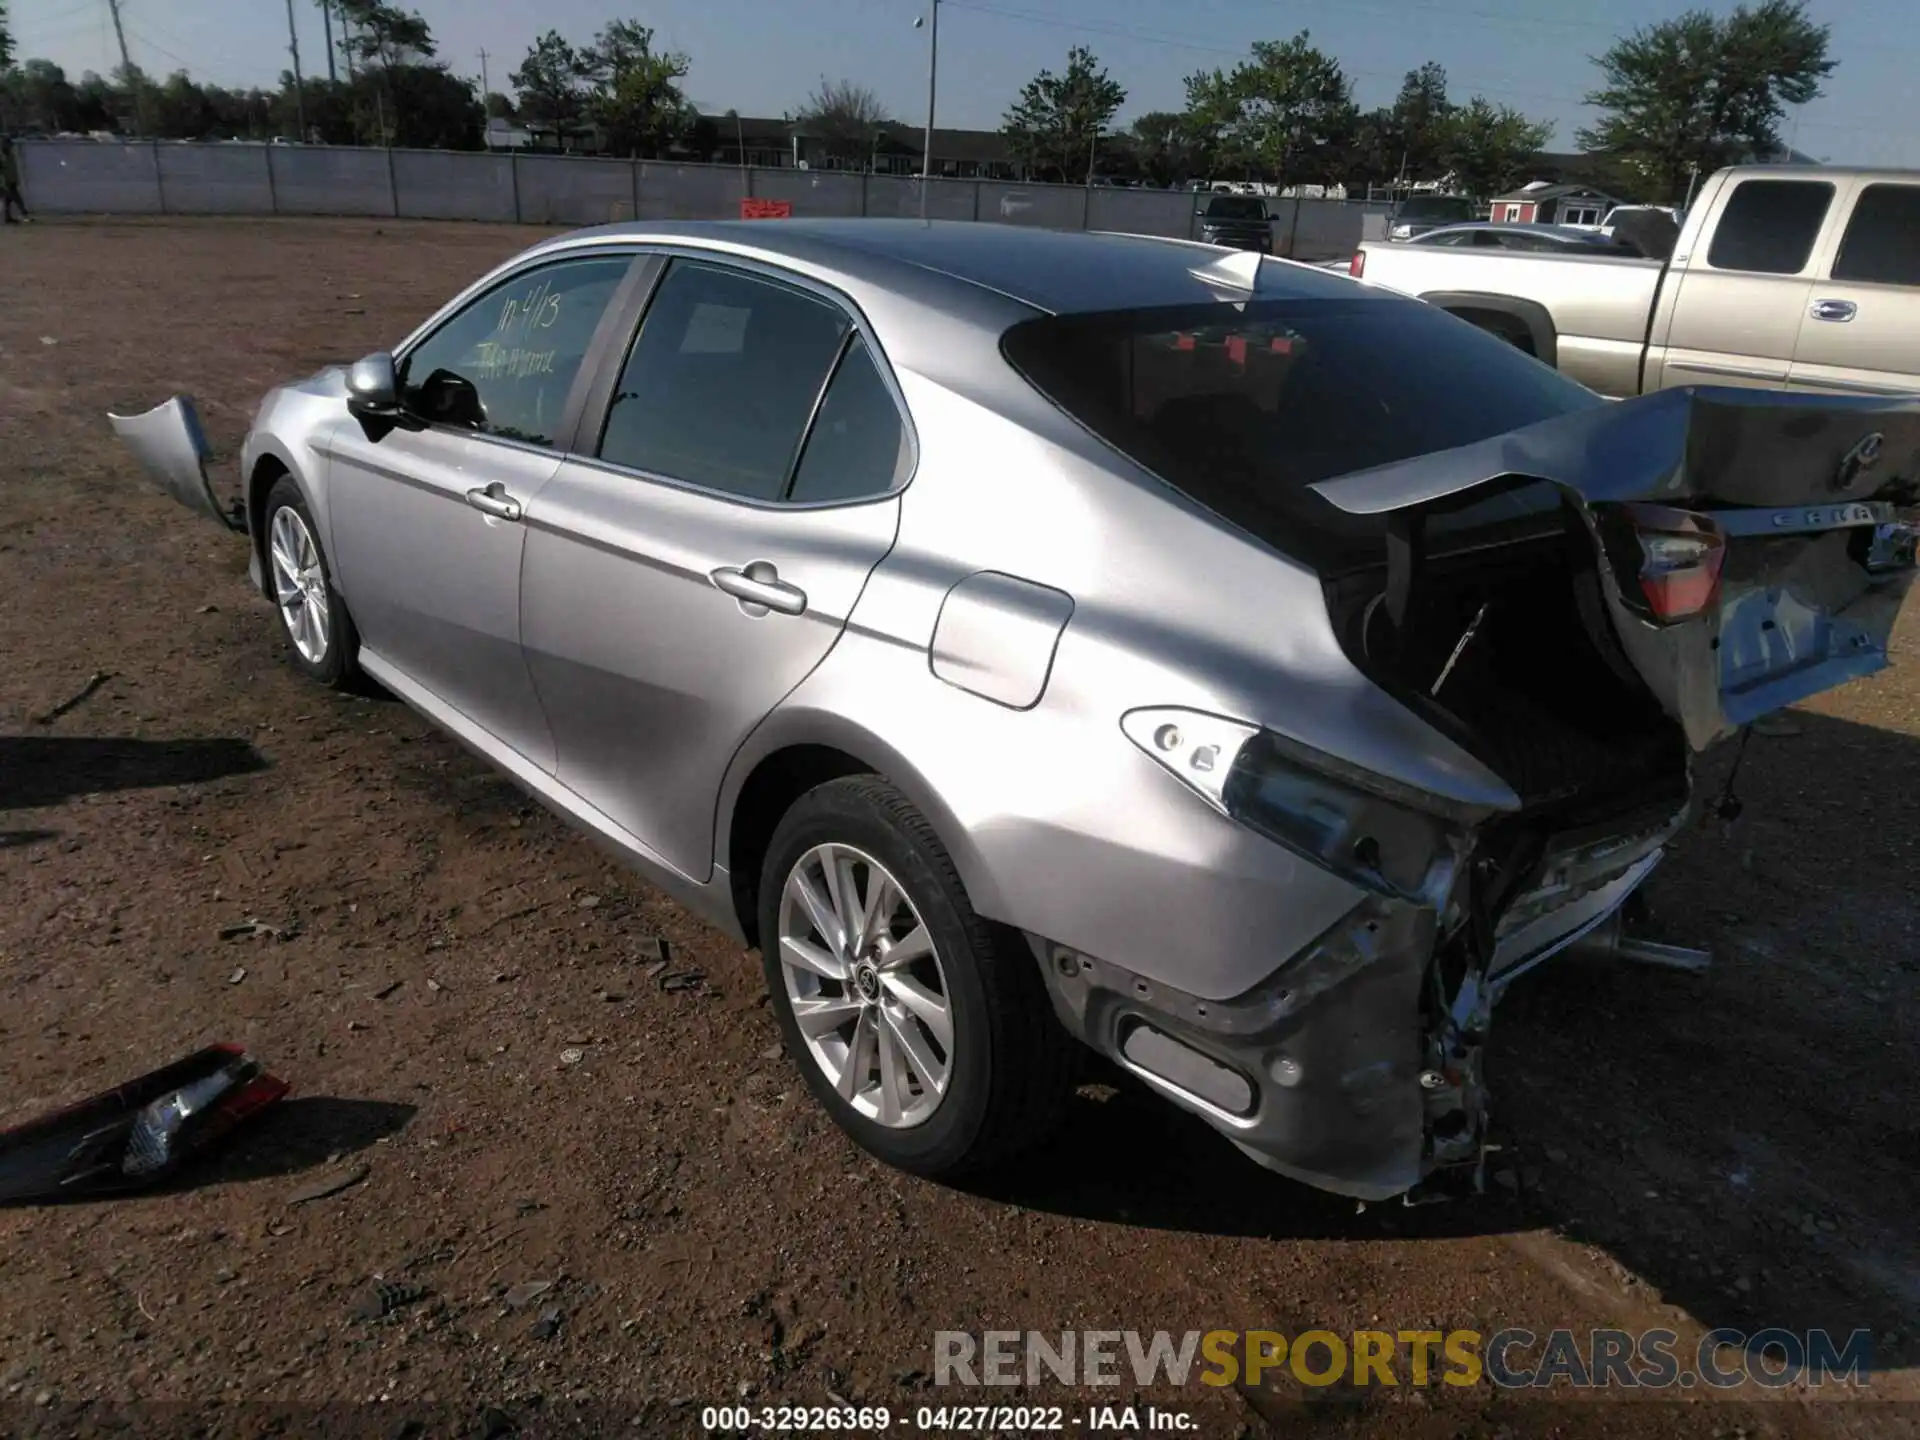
<point x="1580" y="595"/>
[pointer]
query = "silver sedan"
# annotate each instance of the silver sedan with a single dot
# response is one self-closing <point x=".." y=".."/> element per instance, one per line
<point x="1030" y="640"/>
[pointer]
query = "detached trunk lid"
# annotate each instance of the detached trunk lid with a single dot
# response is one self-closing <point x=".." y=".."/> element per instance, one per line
<point x="1743" y="534"/>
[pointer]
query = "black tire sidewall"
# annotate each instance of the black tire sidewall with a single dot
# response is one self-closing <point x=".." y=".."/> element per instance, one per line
<point x="336" y="666"/>
<point x="841" y="813"/>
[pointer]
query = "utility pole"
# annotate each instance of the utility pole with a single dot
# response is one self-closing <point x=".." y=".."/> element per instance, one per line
<point x="933" y="78"/>
<point x="326" y="21"/>
<point x="299" y="84"/>
<point x="126" y="65"/>
<point x="486" y="85"/>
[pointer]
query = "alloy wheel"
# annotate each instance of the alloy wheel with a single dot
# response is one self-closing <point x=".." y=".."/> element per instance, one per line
<point x="299" y="584"/>
<point x="865" y="984"/>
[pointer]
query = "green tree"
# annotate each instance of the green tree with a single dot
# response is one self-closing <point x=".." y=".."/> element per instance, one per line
<point x="391" y="45"/>
<point x="1421" y="117"/>
<point x="847" y="119"/>
<point x="1286" y="112"/>
<point x="1168" y="149"/>
<point x="387" y="36"/>
<point x="551" y="83"/>
<point x="1489" y="148"/>
<point x="1705" y="90"/>
<point x="1055" y="125"/>
<point x="179" y="109"/>
<point x="39" y="96"/>
<point x="635" y="90"/>
<point x="6" y="38"/>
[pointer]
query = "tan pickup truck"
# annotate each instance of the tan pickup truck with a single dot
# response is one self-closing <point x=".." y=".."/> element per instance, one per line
<point x="1806" y="277"/>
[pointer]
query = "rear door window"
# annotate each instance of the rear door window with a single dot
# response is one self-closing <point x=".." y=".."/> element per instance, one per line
<point x="723" y="379"/>
<point x="1769" y="226"/>
<point x="1882" y="243"/>
<point x="858" y="445"/>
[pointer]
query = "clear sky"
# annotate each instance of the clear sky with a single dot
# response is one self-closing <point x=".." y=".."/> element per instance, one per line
<point x="761" y="57"/>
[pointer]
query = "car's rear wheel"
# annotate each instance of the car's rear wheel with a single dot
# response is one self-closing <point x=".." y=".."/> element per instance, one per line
<point x="922" y="1029"/>
<point x="313" y="617"/>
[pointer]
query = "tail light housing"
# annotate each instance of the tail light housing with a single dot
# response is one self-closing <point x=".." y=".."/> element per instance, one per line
<point x="1357" y="267"/>
<point x="1668" y="561"/>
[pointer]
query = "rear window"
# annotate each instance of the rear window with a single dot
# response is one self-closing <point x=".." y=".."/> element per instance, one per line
<point x="1243" y="406"/>
<point x="1237" y="207"/>
<point x="1882" y="243"/>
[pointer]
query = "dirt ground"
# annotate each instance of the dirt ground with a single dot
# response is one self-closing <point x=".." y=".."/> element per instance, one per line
<point x="1738" y="1149"/>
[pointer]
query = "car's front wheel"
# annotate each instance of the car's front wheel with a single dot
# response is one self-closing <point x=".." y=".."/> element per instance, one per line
<point x="313" y="617"/>
<point x="923" y="1030"/>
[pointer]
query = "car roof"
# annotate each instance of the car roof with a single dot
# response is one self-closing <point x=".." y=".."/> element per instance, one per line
<point x="1057" y="271"/>
<point x="1562" y="232"/>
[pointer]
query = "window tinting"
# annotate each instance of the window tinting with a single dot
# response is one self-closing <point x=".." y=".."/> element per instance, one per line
<point x="1882" y="243"/>
<point x="1242" y="406"/>
<point x="858" y="445"/>
<point x="722" y="380"/>
<point x="503" y="366"/>
<point x="1769" y="226"/>
<point x="1236" y="207"/>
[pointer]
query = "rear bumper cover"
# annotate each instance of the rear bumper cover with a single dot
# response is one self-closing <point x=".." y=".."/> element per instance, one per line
<point x="1325" y="1071"/>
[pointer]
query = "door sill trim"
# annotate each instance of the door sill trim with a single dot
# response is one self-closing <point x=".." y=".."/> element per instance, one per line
<point x="711" y="900"/>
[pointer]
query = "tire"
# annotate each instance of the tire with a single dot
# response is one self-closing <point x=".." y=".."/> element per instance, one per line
<point x="330" y="653"/>
<point x="1009" y="1063"/>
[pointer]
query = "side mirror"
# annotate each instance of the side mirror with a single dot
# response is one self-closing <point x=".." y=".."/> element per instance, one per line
<point x="373" y="390"/>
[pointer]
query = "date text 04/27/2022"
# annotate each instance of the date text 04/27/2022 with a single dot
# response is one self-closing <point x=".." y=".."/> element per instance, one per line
<point x="1117" y="1420"/>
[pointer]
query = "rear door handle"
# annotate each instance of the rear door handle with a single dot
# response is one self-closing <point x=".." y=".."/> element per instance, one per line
<point x="1841" y="310"/>
<point x="495" y="501"/>
<point x="759" y="589"/>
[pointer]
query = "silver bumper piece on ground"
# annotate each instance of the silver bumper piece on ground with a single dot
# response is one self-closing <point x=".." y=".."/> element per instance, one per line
<point x="172" y="448"/>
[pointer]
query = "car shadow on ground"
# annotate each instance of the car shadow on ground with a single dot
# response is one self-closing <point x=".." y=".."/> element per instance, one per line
<point x="38" y="770"/>
<point x="1742" y="1142"/>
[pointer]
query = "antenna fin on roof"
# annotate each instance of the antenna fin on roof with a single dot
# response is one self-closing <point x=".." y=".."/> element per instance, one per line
<point x="1238" y="271"/>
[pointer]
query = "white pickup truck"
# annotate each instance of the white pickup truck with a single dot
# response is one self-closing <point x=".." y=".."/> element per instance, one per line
<point x="1803" y="277"/>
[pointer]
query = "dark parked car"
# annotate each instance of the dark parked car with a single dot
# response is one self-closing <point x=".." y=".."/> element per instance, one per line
<point x="1506" y="235"/>
<point x="1240" y="221"/>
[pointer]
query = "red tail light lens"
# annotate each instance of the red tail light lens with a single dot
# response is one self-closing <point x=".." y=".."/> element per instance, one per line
<point x="1680" y="558"/>
<point x="1357" y="266"/>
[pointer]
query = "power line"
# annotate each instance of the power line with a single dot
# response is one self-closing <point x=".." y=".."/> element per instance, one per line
<point x="147" y="42"/>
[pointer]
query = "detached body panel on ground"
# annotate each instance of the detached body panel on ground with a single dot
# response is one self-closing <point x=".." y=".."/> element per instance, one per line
<point x="1258" y="669"/>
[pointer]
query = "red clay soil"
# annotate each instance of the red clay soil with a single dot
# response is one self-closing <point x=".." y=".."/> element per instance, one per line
<point x="460" y="993"/>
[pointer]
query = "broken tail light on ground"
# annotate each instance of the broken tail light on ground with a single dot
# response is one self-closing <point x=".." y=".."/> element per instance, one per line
<point x="139" y="1133"/>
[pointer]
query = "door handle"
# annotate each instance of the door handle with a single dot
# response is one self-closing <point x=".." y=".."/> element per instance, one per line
<point x="495" y="501"/>
<point x="1842" y="310"/>
<point x="759" y="589"/>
